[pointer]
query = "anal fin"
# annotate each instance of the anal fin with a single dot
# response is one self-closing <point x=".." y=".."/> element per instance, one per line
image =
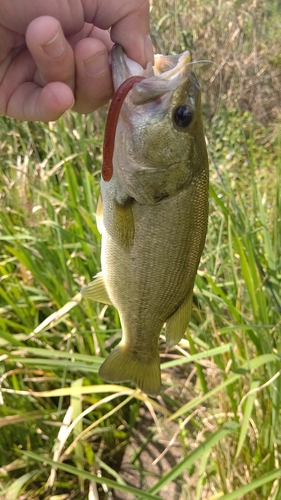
<point x="96" y="290"/>
<point x="178" y="322"/>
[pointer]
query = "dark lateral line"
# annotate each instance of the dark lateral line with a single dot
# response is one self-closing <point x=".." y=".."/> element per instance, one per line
<point x="111" y="124"/>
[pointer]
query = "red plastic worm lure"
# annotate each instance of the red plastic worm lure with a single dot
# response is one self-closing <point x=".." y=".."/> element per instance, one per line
<point x="111" y="124"/>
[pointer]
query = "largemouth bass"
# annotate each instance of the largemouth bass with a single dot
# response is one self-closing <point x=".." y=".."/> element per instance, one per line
<point x="152" y="214"/>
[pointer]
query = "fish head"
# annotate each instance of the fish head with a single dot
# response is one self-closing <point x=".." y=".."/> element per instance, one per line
<point x="159" y="145"/>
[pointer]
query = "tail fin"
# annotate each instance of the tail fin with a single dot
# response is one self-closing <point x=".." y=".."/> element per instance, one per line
<point x="120" y="366"/>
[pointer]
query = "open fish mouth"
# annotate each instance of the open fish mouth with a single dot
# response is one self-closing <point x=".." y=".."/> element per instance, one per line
<point x="168" y="73"/>
<point x="147" y="91"/>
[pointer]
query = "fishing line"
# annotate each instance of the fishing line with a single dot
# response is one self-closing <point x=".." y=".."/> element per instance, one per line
<point x="217" y="73"/>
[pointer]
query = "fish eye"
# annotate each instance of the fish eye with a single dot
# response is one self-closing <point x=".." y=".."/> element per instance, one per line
<point x="183" y="116"/>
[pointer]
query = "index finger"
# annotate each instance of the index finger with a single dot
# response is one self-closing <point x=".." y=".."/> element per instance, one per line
<point x="129" y="22"/>
<point x="132" y="33"/>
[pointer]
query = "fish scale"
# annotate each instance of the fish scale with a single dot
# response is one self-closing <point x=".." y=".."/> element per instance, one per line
<point x="155" y="212"/>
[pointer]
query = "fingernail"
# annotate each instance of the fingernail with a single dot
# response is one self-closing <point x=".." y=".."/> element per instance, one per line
<point x="148" y="49"/>
<point x="54" y="48"/>
<point x="97" y="64"/>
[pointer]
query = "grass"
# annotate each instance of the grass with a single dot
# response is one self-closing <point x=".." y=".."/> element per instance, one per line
<point x="63" y="431"/>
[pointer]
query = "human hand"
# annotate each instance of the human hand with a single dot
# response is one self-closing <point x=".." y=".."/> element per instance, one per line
<point x="54" y="55"/>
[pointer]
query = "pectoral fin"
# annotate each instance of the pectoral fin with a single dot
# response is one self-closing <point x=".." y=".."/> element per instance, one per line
<point x="177" y="324"/>
<point x="96" y="290"/>
<point x="124" y="222"/>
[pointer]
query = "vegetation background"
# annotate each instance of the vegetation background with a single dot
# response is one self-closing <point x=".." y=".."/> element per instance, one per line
<point x="64" y="433"/>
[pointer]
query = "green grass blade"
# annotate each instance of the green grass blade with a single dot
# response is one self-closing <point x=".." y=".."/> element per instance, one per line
<point x="201" y="450"/>
<point x="13" y="491"/>
<point x="76" y="404"/>
<point x="246" y="368"/>
<point x="246" y="416"/>
<point x="92" y="477"/>
<point x="253" y="485"/>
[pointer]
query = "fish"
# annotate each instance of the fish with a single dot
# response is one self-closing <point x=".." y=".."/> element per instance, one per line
<point x="152" y="212"/>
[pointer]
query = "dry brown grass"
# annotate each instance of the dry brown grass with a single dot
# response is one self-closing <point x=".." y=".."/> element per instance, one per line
<point x="241" y="38"/>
